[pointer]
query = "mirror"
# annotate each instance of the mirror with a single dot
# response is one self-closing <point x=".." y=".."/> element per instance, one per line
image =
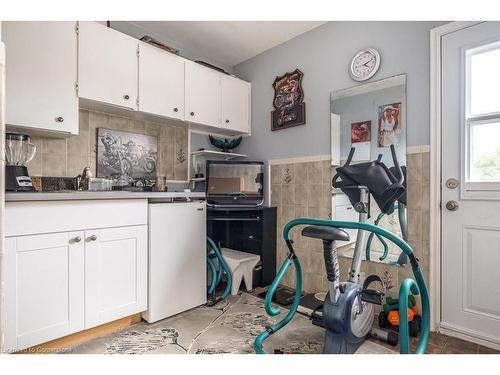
<point x="370" y="117"/>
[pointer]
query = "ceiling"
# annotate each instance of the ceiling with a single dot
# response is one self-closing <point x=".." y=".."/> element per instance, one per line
<point x="225" y="42"/>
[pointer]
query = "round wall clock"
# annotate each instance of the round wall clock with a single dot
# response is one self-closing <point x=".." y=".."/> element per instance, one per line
<point x="365" y="64"/>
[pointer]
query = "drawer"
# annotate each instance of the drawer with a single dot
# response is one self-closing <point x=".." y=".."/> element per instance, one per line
<point x="25" y="218"/>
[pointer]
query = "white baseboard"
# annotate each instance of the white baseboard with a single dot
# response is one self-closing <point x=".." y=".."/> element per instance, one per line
<point x="469" y="335"/>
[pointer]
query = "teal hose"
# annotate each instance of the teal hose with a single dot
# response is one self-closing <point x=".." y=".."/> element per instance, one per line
<point x="370" y="238"/>
<point x="213" y="284"/>
<point x="419" y="279"/>
<point x="224" y="268"/>
<point x="273" y="311"/>
<point x="369" y="245"/>
<point x="407" y="286"/>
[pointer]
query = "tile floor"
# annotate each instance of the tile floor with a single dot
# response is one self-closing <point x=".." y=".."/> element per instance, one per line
<point x="231" y="327"/>
<point x="228" y="327"/>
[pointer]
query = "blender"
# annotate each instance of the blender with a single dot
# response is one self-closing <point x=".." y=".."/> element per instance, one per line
<point x="18" y="152"/>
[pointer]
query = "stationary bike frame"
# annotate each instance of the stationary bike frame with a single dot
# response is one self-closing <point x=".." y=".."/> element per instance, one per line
<point x="408" y="286"/>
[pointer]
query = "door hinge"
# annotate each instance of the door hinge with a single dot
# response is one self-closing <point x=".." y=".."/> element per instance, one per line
<point x="77" y="28"/>
<point x="137" y="102"/>
<point x="76" y="86"/>
<point x="137" y="51"/>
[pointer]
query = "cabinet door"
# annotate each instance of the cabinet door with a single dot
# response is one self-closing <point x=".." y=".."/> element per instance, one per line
<point x="177" y="258"/>
<point x="107" y="65"/>
<point x="161" y="82"/>
<point x="202" y="95"/>
<point x="41" y="72"/>
<point x="44" y="294"/>
<point x="115" y="273"/>
<point x="235" y="98"/>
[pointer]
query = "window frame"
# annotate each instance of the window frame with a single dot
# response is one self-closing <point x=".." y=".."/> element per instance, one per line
<point x="474" y="189"/>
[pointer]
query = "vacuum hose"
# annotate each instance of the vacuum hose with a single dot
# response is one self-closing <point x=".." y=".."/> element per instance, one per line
<point x="223" y="267"/>
<point x="416" y="286"/>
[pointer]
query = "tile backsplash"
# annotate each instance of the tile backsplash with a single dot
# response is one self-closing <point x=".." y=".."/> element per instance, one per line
<point x="67" y="157"/>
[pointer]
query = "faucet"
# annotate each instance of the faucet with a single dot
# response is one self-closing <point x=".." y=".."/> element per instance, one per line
<point x="84" y="177"/>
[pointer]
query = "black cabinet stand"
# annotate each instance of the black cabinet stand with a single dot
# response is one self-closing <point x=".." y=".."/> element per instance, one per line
<point x="252" y="230"/>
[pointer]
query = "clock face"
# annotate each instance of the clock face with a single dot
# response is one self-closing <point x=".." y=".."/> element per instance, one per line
<point x="365" y="64"/>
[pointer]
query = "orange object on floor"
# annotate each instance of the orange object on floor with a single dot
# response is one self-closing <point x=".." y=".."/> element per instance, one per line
<point x="393" y="316"/>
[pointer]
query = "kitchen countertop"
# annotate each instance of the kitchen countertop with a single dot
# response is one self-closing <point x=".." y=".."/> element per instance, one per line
<point x="94" y="195"/>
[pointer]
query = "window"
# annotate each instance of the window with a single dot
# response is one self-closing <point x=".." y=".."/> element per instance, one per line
<point x="482" y="117"/>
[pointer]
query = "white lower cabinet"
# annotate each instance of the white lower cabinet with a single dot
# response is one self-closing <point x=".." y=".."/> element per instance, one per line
<point x="115" y="273"/>
<point x="44" y="288"/>
<point x="61" y="283"/>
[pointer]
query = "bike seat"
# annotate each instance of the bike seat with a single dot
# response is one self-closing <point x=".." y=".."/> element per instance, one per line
<point x="325" y="233"/>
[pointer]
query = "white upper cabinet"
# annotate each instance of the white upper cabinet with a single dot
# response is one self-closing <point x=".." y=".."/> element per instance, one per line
<point x="41" y="72"/>
<point x="107" y="65"/>
<point x="235" y="102"/>
<point x="161" y="82"/>
<point x="202" y="95"/>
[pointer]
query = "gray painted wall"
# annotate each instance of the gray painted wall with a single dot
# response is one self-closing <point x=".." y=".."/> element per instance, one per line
<point x="324" y="55"/>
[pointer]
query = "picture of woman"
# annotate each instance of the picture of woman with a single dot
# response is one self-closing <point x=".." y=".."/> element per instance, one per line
<point x="389" y="124"/>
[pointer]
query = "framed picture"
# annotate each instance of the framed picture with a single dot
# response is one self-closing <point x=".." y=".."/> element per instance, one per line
<point x="389" y="124"/>
<point x="124" y="153"/>
<point x="361" y="131"/>
<point x="289" y="107"/>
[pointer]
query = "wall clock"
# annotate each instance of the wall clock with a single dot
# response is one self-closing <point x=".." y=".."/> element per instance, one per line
<point x="365" y="64"/>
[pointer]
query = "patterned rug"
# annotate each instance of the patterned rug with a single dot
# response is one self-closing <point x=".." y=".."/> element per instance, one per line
<point x="228" y="327"/>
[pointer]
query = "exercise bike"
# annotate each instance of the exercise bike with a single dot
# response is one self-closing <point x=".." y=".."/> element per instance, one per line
<point x="348" y="311"/>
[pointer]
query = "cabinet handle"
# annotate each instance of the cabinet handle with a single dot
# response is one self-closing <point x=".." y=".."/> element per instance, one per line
<point x="92" y="238"/>
<point x="227" y="121"/>
<point x="176" y="109"/>
<point x="192" y="113"/>
<point x="77" y="239"/>
<point x="126" y="97"/>
<point x="59" y="119"/>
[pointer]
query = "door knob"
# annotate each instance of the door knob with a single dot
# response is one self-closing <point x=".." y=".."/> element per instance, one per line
<point x="77" y="239"/>
<point x="452" y="205"/>
<point x="126" y="97"/>
<point x="92" y="238"/>
<point x="59" y="119"/>
<point x="192" y="113"/>
<point x="227" y="121"/>
<point x="176" y="109"/>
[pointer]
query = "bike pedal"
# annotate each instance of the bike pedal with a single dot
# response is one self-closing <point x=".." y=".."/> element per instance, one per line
<point x="372" y="296"/>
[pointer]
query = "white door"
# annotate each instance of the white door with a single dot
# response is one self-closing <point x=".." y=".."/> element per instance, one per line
<point x="471" y="182"/>
<point x="202" y="94"/>
<point x="235" y="102"/>
<point x="115" y="273"/>
<point x="177" y="258"/>
<point x="44" y="293"/>
<point x="107" y="65"/>
<point x="41" y="75"/>
<point x="161" y="82"/>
